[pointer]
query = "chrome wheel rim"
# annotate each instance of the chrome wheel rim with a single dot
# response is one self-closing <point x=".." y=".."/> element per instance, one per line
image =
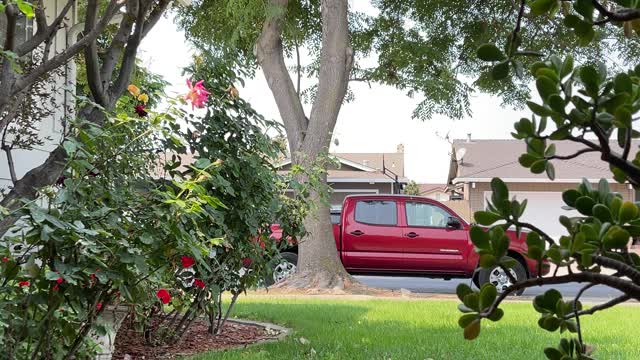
<point x="283" y="271"/>
<point x="500" y="280"/>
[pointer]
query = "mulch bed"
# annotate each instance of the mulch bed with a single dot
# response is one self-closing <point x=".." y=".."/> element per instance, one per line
<point x="197" y="340"/>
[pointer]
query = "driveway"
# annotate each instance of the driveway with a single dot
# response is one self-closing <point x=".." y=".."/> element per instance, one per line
<point x="438" y="286"/>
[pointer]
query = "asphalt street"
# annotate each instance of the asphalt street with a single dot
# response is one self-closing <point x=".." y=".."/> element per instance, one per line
<point x="439" y="286"/>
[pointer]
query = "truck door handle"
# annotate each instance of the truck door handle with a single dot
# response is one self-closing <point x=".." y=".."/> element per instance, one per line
<point x="357" y="233"/>
<point x="411" y="235"/>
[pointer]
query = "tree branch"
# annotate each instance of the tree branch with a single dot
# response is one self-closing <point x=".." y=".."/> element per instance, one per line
<point x="154" y="16"/>
<point x="3" y="143"/>
<point x="41" y="17"/>
<point x="67" y="54"/>
<point x="627" y="287"/>
<point x="11" y="12"/>
<point x="269" y="53"/>
<point x="621" y="267"/>
<point x="129" y="58"/>
<point x="117" y="45"/>
<point x="592" y="310"/>
<point x="336" y="61"/>
<point x="624" y="14"/>
<point x="627" y="144"/>
<point x="12" y="167"/>
<point x="607" y="262"/>
<point x="297" y="66"/>
<point x="44" y="32"/>
<point x="575" y="309"/>
<point x="632" y="171"/>
<point x="572" y="156"/>
<point x="531" y="227"/>
<point x="584" y="141"/>
<point x="92" y="60"/>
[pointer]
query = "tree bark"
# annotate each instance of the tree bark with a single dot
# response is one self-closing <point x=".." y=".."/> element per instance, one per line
<point x="318" y="263"/>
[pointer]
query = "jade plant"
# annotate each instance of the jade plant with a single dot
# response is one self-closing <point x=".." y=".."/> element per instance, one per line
<point x="595" y="105"/>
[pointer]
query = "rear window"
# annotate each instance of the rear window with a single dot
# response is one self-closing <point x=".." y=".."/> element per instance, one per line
<point x="335" y="217"/>
<point x="377" y="212"/>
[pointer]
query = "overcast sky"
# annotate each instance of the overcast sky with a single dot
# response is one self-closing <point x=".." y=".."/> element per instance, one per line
<point x="376" y="121"/>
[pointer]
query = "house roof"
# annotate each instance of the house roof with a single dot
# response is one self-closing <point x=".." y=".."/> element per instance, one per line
<point x="392" y="161"/>
<point x="352" y="176"/>
<point x="364" y="167"/>
<point x="486" y="159"/>
<point x="342" y="160"/>
<point x="429" y="188"/>
<point x="361" y="176"/>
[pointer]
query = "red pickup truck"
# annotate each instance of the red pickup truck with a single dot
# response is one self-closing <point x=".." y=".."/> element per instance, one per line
<point x="410" y="235"/>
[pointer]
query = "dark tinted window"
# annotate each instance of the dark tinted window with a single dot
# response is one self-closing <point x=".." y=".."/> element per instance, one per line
<point x="376" y="212"/>
<point x="423" y="214"/>
<point x="335" y="217"/>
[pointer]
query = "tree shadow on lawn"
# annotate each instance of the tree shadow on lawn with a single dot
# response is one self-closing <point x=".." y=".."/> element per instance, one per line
<point x="380" y="329"/>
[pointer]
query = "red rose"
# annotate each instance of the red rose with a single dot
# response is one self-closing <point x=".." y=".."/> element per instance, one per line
<point x="139" y="109"/>
<point x="60" y="280"/>
<point x="99" y="306"/>
<point x="187" y="261"/>
<point x="164" y="296"/>
<point x="246" y="262"/>
<point x="56" y="287"/>
<point x="199" y="283"/>
<point x="24" y="283"/>
<point x="5" y="259"/>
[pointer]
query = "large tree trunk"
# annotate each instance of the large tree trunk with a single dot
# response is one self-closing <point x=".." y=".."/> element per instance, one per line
<point x="318" y="263"/>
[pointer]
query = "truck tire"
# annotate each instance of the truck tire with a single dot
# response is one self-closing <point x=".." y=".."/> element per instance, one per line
<point x="284" y="268"/>
<point x="499" y="279"/>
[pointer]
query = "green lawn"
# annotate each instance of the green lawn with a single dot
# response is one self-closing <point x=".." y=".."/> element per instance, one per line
<point x="399" y="329"/>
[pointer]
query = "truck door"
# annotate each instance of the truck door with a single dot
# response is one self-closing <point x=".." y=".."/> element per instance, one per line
<point x="371" y="237"/>
<point x="431" y="242"/>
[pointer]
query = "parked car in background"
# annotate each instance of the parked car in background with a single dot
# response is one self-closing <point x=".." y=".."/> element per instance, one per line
<point x="410" y="235"/>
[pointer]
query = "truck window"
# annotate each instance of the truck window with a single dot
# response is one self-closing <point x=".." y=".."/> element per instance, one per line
<point x="376" y="212"/>
<point x="423" y="214"/>
<point x="335" y="217"/>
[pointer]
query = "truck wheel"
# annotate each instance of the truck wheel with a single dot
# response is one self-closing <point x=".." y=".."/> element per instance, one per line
<point x="285" y="268"/>
<point x="499" y="278"/>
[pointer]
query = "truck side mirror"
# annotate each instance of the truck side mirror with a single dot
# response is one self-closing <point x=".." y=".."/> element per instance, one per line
<point x="453" y="223"/>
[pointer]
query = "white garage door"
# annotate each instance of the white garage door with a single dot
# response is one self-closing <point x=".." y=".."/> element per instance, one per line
<point x="543" y="210"/>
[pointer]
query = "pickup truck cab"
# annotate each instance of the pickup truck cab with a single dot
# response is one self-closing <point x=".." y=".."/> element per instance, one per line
<point x="410" y="235"/>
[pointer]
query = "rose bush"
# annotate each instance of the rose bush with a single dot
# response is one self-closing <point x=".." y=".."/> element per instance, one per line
<point x="232" y="138"/>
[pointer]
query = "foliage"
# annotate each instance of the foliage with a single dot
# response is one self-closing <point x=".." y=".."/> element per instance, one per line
<point x="411" y="188"/>
<point x="232" y="137"/>
<point x="113" y="231"/>
<point x="583" y="102"/>
<point x="426" y="49"/>
<point x="89" y="244"/>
